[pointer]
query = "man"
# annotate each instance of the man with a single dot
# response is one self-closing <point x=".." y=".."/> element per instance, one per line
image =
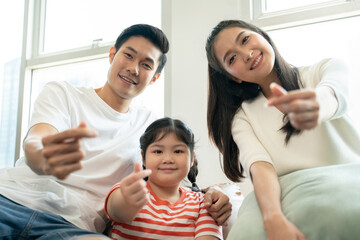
<point x="80" y="143"/>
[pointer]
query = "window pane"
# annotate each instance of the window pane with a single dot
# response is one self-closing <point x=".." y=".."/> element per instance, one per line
<point x="94" y="74"/>
<point x="10" y="48"/>
<point x="72" y="24"/>
<point x="278" y="5"/>
<point x="310" y="43"/>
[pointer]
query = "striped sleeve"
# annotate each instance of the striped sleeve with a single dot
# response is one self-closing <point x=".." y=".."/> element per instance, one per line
<point x="205" y="224"/>
<point x="116" y="186"/>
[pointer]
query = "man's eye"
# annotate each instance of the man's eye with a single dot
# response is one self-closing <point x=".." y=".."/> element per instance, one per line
<point x="128" y="55"/>
<point x="147" y="66"/>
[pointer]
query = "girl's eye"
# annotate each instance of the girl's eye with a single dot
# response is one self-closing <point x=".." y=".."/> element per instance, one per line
<point x="157" y="151"/>
<point x="244" y="39"/>
<point x="232" y="59"/>
<point x="179" y="151"/>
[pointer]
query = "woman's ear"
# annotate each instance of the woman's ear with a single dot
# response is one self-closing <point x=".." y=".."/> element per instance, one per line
<point x="112" y="54"/>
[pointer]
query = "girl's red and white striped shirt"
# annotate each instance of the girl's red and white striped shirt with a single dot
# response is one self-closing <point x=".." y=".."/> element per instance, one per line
<point x="160" y="219"/>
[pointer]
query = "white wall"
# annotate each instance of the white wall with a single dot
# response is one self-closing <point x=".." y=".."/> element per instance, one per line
<point x="187" y="23"/>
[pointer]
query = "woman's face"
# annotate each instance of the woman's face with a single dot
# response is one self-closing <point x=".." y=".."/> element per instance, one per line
<point x="245" y="55"/>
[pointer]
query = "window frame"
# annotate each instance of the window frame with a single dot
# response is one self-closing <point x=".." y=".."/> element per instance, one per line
<point x="251" y="11"/>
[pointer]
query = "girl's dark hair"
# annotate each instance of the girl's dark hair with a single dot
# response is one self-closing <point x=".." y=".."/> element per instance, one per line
<point x="162" y="127"/>
<point x="151" y="33"/>
<point x="225" y="97"/>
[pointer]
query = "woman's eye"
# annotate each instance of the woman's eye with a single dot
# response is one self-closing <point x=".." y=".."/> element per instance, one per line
<point x="232" y="59"/>
<point x="245" y="39"/>
<point x="128" y="55"/>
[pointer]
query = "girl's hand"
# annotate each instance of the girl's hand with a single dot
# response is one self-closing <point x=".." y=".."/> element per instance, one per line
<point x="301" y="106"/>
<point x="126" y="201"/>
<point x="133" y="187"/>
<point x="279" y="228"/>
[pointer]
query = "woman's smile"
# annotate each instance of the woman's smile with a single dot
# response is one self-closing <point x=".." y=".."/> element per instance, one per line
<point x="256" y="62"/>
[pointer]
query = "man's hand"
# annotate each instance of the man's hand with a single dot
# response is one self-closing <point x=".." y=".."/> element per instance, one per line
<point x="61" y="153"/>
<point x="218" y="205"/>
<point x="301" y="106"/>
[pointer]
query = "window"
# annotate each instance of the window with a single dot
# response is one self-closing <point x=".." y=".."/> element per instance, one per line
<point x="65" y="40"/>
<point x="276" y="14"/>
<point x="279" y="5"/>
<point x="10" y="48"/>
<point x="89" y="22"/>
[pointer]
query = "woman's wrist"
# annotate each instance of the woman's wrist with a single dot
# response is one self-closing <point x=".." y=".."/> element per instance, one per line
<point x="327" y="101"/>
<point x="270" y="217"/>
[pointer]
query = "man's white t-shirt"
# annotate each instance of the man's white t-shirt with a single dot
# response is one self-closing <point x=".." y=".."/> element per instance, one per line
<point x="108" y="158"/>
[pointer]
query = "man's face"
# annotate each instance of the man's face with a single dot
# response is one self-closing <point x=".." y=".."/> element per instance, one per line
<point x="133" y="67"/>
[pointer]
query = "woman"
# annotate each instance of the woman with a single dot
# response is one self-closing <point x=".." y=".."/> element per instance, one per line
<point x="306" y="126"/>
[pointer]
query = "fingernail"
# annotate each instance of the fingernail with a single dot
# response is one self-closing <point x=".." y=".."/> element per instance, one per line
<point x="266" y="104"/>
<point x="285" y="106"/>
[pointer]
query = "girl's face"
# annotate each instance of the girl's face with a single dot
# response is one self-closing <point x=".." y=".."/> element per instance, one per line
<point x="169" y="159"/>
<point x="244" y="54"/>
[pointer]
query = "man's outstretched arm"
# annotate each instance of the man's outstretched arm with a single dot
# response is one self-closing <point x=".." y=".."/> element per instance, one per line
<point x="49" y="152"/>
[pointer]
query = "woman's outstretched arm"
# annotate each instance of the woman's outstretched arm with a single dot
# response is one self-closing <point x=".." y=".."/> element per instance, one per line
<point x="268" y="193"/>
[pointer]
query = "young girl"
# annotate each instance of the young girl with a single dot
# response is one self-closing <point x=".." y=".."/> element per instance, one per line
<point x="308" y="126"/>
<point x="160" y="208"/>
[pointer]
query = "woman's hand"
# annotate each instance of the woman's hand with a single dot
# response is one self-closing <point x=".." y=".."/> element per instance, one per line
<point x="278" y="227"/>
<point x="301" y="106"/>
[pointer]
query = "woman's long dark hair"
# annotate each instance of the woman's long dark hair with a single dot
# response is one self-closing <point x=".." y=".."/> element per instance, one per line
<point x="225" y="97"/>
<point x="162" y="127"/>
